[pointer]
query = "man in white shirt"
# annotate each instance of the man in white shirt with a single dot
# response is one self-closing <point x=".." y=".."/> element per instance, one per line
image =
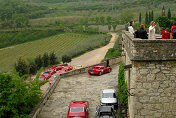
<point x="130" y="28"/>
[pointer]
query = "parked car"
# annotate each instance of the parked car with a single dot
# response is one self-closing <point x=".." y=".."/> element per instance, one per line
<point x="68" y="67"/>
<point x="57" y="68"/>
<point x="63" y="71"/>
<point x="109" y="97"/>
<point x="99" y="70"/>
<point x="105" y="112"/>
<point x="51" y="71"/>
<point x="52" y="80"/>
<point x="47" y="75"/>
<point x="42" y="77"/>
<point x="79" y="66"/>
<point x="78" y="109"/>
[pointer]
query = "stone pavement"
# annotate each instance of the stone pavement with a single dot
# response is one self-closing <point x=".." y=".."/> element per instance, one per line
<point x="83" y="87"/>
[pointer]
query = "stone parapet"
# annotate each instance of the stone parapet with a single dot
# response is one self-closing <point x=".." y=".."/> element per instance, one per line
<point x="149" y="50"/>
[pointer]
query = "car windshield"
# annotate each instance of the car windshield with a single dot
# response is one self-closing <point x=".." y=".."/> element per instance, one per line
<point x="105" y="113"/>
<point x="77" y="109"/>
<point x="66" y="67"/>
<point x="97" y="67"/>
<point x="41" y="78"/>
<point x="62" y="71"/>
<point x="50" y="70"/>
<point x="45" y="73"/>
<point x="109" y="95"/>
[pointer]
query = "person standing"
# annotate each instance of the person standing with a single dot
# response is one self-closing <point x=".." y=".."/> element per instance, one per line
<point x="130" y="28"/>
<point x="173" y="30"/>
<point x="165" y="34"/>
<point x="152" y="30"/>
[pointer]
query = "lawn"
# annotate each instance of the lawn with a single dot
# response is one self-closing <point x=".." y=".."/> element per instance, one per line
<point x="58" y="43"/>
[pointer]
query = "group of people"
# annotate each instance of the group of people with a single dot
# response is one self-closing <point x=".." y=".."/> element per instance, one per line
<point x="142" y="32"/>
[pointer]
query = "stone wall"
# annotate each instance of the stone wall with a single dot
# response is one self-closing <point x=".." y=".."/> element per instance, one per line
<point x="152" y="78"/>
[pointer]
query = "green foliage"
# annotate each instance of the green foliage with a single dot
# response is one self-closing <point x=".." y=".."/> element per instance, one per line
<point x="32" y="68"/>
<point x="164" y="21"/>
<point x="146" y="18"/>
<point x="66" y="59"/>
<point x="140" y="18"/>
<point x="21" y="67"/>
<point x="112" y="52"/>
<point x="122" y="87"/>
<point x="109" y="27"/>
<point x="39" y="62"/>
<point x="109" y="19"/>
<point x="126" y="16"/>
<point x="53" y="58"/>
<point x="46" y="60"/>
<point x="114" y="25"/>
<point x="169" y="13"/>
<point x="9" y="38"/>
<point x="17" y="97"/>
<point x="102" y="20"/>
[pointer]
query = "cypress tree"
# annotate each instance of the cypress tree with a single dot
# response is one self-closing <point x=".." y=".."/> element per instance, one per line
<point x="152" y="16"/>
<point x="21" y="67"/>
<point x="149" y="17"/>
<point x="169" y="13"/>
<point x="53" y="58"/>
<point x="45" y="60"/>
<point x="140" y="18"/>
<point x="39" y="62"/>
<point x="146" y="19"/>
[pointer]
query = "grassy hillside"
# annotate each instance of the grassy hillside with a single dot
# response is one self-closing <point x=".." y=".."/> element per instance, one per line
<point x="61" y="44"/>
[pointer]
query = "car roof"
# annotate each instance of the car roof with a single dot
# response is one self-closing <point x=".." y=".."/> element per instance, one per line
<point x="99" y="66"/>
<point x="105" y="108"/>
<point x="78" y="103"/>
<point x="109" y="91"/>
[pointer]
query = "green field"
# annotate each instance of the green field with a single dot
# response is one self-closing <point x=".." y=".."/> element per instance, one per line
<point x="58" y="43"/>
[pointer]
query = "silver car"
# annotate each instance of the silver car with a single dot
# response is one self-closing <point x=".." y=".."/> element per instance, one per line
<point x="109" y="98"/>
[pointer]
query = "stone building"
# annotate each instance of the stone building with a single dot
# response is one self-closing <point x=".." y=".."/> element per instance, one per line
<point x="151" y="76"/>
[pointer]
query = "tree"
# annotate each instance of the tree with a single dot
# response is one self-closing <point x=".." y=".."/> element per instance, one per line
<point x="149" y="17"/>
<point x="164" y="21"/>
<point x="39" y="62"/>
<point x="140" y="18"/>
<point x="109" y="19"/>
<point x="126" y="16"/>
<point x="32" y="68"/>
<point x="102" y="20"/>
<point x="53" y="58"/>
<point x="66" y="59"/>
<point x="109" y="27"/>
<point x="163" y="11"/>
<point x="152" y="16"/>
<point x="21" y="67"/>
<point x="146" y="19"/>
<point x="169" y="13"/>
<point x="97" y="20"/>
<point x="17" y="97"/>
<point x="114" y="25"/>
<point x="122" y="88"/>
<point x="45" y="60"/>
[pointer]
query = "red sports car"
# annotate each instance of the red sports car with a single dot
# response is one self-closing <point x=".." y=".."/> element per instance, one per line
<point x="57" y="68"/>
<point x="78" y="109"/>
<point x="99" y="70"/>
<point x="42" y="77"/>
<point x="51" y="71"/>
<point x="46" y="75"/>
<point x="63" y="71"/>
<point x="68" y="67"/>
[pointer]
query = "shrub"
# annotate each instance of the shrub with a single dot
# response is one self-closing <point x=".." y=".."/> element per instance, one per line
<point x="66" y="59"/>
<point x="21" y="67"/>
<point x="46" y="60"/>
<point x="112" y="52"/>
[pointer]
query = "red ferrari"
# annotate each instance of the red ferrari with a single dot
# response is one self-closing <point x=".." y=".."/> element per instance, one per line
<point x="42" y="77"/>
<point x="51" y="71"/>
<point x="57" y="68"/>
<point x="46" y="75"/>
<point x="99" y="70"/>
<point x="63" y="71"/>
<point x="68" y="67"/>
<point x="78" y="109"/>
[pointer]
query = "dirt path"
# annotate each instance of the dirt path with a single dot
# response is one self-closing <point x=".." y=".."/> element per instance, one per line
<point x="95" y="56"/>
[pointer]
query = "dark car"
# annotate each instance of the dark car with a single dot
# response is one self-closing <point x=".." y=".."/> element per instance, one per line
<point x="105" y="112"/>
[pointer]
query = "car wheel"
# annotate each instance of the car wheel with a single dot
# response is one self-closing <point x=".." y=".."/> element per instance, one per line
<point x="100" y="73"/>
<point x="109" y="70"/>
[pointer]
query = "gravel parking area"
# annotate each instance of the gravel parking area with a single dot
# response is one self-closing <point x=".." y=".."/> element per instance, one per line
<point x="79" y="88"/>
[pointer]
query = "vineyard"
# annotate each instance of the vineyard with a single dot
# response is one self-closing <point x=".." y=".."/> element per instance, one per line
<point x="60" y="44"/>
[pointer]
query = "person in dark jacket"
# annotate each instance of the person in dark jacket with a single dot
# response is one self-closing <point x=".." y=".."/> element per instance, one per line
<point x="141" y="33"/>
